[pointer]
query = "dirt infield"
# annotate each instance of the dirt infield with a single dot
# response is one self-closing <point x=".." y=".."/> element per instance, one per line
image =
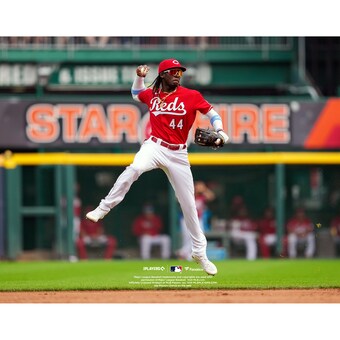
<point x="177" y="296"/>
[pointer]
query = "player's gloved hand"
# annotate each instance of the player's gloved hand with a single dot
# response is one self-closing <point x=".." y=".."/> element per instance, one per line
<point x="210" y="138"/>
<point x="223" y="136"/>
<point x="142" y="70"/>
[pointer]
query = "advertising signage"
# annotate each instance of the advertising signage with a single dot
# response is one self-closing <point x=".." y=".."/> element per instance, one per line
<point x="124" y="125"/>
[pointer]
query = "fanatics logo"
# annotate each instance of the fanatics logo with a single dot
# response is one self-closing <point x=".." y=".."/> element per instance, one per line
<point x="176" y="269"/>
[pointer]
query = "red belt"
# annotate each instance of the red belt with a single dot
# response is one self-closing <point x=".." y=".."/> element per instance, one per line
<point x="167" y="145"/>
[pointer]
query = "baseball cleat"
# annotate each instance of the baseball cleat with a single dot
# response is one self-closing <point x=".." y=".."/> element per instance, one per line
<point x="96" y="214"/>
<point x="207" y="266"/>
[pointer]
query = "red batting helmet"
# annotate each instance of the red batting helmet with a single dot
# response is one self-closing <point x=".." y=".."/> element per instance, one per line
<point x="169" y="63"/>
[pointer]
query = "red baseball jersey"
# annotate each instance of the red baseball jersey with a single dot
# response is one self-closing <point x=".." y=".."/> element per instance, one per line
<point x="267" y="226"/>
<point x="91" y="229"/>
<point x="172" y="116"/>
<point x="147" y="225"/>
<point x="300" y="227"/>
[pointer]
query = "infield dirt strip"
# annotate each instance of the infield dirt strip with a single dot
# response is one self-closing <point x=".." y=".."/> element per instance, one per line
<point x="176" y="296"/>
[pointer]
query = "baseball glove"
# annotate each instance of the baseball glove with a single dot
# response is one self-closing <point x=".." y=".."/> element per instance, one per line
<point x="210" y="138"/>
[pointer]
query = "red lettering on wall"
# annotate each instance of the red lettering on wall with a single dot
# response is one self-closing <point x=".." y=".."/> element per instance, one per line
<point x="93" y="125"/>
<point x="202" y="121"/>
<point x="124" y="119"/>
<point x="80" y="123"/>
<point x="245" y="121"/>
<point x="42" y="124"/>
<point x="275" y="123"/>
<point x="70" y="114"/>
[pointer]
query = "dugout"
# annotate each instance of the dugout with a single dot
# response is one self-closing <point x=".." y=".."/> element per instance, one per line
<point x="284" y="180"/>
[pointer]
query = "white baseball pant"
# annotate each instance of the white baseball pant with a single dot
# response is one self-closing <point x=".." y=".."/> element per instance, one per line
<point x="147" y="241"/>
<point x="249" y="238"/>
<point x="293" y="241"/>
<point x="186" y="248"/>
<point x="176" y="166"/>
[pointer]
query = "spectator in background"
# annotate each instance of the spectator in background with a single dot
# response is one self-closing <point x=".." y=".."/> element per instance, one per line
<point x="199" y="42"/>
<point x="243" y="231"/>
<point x="39" y="40"/>
<point x="268" y="234"/>
<point x="93" y="235"/>
<point x="203" y="195"/>
<point x="97" y="41"/>
<point x="148" y="227"/>
<point x="300" y="230"/>
<point x="63" y="41"/>
<point x="335" y="232"/>
<point x="17" y="41"/>
<point x="237" y="203"/>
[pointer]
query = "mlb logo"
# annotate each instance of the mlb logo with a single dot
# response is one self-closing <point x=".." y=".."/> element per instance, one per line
<point x="176" y="269"/>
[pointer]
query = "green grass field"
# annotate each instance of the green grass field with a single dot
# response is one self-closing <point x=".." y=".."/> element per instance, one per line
<point x="128" y="274"/>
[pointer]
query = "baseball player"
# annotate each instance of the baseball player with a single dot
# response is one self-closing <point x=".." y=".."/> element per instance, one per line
<point x="243" y="230"/>
<point x="267" y="232"/>
<point x="148" y="228"/>
<point x="300" y="229"/>
<point x="172" y="110"/>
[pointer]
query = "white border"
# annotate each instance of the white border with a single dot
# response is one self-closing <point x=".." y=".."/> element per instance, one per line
<point x="175" y="18"/>
<point x="169" y="321"/>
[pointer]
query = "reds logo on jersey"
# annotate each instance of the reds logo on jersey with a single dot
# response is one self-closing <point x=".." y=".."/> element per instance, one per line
<point x="173" y="108"/>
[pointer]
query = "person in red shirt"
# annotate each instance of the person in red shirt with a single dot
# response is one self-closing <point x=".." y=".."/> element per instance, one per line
<point x="148" y="228"/>
<point x="335" y="232"/>
<point x="94" y="235"/>
<point x="172" y="110"/>
<point x="243" y="230"/>
<point x="300" y="230"/>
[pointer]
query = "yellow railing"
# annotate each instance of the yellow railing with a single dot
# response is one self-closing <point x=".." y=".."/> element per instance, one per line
<point x="11" y="160"/>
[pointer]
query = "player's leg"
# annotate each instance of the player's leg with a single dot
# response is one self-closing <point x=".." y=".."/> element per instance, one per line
<point x="81" y="247"/>
<point x="292" y="244"/>
<point x="186" y="248"/>
<point x="165" y="243"/>
<point x="264" y="247"/>
<point x="270" y="241"/>
<point x="180" y="176"/>
<point x="144" y="160"/>
<point x="181" y="180"/>
<point x="284" y="242"/>
<point x="310" y="249"/>
<point x="251" y="245"/>
<point x="111" y="244"/>
<point x="145" y="246"/>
